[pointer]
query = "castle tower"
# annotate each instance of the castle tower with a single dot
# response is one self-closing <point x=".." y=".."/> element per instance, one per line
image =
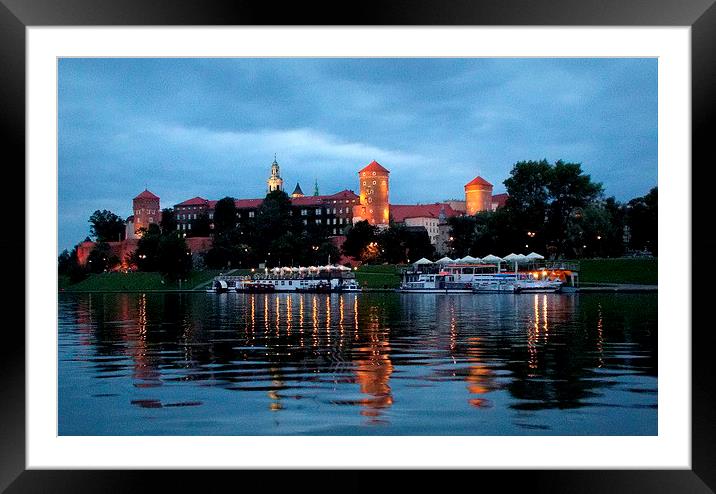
<point x="374" y="189"/>
<point x="275" y="182"/>
<point x="146" y="210"/>
<point x="297" y="192"/>
<point x="478" y="196"/>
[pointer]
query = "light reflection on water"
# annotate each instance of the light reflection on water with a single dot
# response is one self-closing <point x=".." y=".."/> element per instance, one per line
<point x="382" y="363"/>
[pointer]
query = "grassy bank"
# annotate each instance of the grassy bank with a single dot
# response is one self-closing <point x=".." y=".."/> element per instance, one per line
<point x="632" y="271"/>
<point x="136" y="281"/>
<point x="592" y="271"/>
<point x="378" y="276"/>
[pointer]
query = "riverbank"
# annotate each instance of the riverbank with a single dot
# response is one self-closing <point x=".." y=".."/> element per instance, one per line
<point x="604" y="275"/>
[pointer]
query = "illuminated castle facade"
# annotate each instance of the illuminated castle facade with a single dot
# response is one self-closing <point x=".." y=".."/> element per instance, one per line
<point x="478" y="196"/>
<point x="374" y="192"/>
<point x="146" y="211"/>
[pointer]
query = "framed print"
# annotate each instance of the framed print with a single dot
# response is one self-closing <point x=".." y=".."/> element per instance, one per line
<point x="427" y="239"/>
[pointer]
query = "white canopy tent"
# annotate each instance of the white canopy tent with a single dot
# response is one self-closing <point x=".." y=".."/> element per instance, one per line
<point x="533" y="256"/>
<point x="444" y="260"/>
<point x="470" y="260"/>
<point x="422" y="262"/>
<point x="492" y="259"/>
<point x="511" y="257"/>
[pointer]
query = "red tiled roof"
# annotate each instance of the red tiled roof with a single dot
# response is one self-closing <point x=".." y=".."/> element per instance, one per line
<point x="374" y="166"/>
<point x="401" y="212"/>
<point x="500" y="199"/>
<point x="478" y="181"/>
<point x="247" y="203"/>
<point x="194" y="201"/>
<point x="296" y="201"/>
<point x="146" y="195"/>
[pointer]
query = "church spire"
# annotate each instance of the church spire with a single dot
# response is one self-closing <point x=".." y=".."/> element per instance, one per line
<point x="275" y="182"/>
<point x="315" y="188"/>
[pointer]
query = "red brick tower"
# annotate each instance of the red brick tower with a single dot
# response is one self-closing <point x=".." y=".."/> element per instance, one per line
<point x="374" y="189"/>
<point x="478" y="196"/>
<point x="146" y="210"/>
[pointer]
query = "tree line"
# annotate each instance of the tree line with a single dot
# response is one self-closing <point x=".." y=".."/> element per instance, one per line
<point x="554" y="209"/>
<point x="558" y="210"/>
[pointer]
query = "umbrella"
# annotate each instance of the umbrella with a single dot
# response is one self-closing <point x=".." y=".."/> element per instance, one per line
<point x="470" y="259"/>
<point x="444" y="260"/>
<point x="534" y="256"/>
<point x="422" y="261"/>
<point x="275" y="270"/>
<point x="521" y="258"/>
<point x="302" y="269"/>
<point x="294" y="270"/>
<point x="512" y="257"/>
<point x="490" y="259"/>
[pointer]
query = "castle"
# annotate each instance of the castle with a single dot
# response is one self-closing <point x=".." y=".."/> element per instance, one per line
<point x="336" y="211"/>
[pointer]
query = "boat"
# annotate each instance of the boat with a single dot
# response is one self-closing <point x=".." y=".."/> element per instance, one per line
<point x="326" y="279"/>
<point x="456" y="278"/>
<point x="532" y="285"/>
<point x="469" y="277"/>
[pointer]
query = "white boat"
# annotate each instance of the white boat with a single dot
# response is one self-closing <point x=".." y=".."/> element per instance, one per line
<point x="461" y="277"/>
<point x="457" y="278"/>
<point x="328" y="280"/>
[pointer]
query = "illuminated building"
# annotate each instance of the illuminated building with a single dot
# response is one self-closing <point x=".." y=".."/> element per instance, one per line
<point x="146" y="211"/>
<point x="374" y="188"/>
<point x="478" y="195"/>
<point x="274" y="182"/>
<point x="428" y="216"/>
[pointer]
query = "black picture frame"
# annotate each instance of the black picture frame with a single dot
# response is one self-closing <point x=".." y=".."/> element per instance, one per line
<point x="16" y="15"/>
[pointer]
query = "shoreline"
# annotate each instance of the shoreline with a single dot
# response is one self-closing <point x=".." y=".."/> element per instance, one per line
<point x="601" y="288"/>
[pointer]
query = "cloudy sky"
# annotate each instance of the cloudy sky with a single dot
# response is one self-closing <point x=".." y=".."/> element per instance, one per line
<point x="210" y="127"/>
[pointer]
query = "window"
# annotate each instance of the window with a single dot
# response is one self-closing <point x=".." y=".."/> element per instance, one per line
<point x="211" y="216"/>
<point x="305" y="222"/>
<point x="189" y="226"/>
<point x="318" y="221"/>
<point x="318" y="211"/>
<point x="251" y="214"/>
<point x="304" y="212"/>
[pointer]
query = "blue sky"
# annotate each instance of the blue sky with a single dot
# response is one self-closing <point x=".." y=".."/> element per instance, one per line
<point x="210" y="127"/>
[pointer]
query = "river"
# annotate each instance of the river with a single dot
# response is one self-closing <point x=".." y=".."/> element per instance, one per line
<point x="357" y="364"/>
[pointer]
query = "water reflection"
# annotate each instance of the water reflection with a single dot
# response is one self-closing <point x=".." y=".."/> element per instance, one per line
<point x="337" y="362"/>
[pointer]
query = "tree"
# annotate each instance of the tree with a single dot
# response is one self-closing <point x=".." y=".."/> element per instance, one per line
<point x="68" y="264"/>
<point x="569" y="191"/>
<point x="173" y="257"/>
<point x="105" y="226"/>
<point x="358" y="237"/>
<point x="101" y="259"/>
<point x="462" y="235"/>
<point x="201" y="226"/>
<point x="168" y="222"/>
<point x="224" y="215"/>
<point x="146" y="256"/>
<point x="528" y="192"/>
<point x="642" y="219"/>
